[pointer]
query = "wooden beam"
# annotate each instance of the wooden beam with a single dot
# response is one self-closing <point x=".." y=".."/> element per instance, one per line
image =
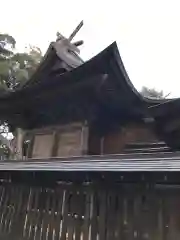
<point x="78" y="43"/>
<point x="73" y="34"/>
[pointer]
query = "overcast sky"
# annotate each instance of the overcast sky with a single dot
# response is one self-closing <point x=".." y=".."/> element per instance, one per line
<point x="147" y="33"/>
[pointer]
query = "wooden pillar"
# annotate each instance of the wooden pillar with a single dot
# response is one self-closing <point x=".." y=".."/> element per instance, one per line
<point x="84" y="139"/>
<point x="19" y="143"/>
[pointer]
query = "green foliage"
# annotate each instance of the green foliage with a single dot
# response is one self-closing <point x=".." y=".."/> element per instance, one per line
<point x="7" y="40"/>
<point x="7" y="45"/>
<point x="152" y="93"/>
<point x="15" y="67"/>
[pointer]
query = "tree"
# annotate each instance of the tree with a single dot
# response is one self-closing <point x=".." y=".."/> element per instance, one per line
<point x="15" y="69"/>
<point x="152" y="93"/>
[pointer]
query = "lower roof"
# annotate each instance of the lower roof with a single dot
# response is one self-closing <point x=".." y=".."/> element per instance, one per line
<point x="157" y="162"/>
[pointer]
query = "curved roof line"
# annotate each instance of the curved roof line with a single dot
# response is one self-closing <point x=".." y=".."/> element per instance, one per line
<point x="123" y="70"/>
<point x="110" y="56"/>
<point x="123" y="98"/>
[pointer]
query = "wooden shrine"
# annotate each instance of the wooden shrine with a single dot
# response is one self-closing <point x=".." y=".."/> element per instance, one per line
<point x="96" y="160"/>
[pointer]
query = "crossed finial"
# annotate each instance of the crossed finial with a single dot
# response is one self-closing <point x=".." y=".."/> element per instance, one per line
<point x="73" y="34"/>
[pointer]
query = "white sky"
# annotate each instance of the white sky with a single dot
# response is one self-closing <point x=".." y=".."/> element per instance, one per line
<point x="147" y="32"/>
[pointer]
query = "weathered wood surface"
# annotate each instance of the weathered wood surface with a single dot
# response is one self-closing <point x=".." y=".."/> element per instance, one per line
<point x="60" y="141"/>
<point x="85" y="212"/>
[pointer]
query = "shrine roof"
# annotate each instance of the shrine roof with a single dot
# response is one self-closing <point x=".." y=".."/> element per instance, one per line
<point x="98" y="88"/>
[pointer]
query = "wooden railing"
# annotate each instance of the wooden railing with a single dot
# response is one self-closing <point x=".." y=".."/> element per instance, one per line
<point x="71" y="212"/>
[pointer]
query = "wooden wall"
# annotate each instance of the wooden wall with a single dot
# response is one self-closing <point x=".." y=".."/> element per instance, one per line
<point x="115" y="142"/>
<point x="95" y="146"/>
<point x="89" y="212"/>
<point x="77" y="139"/>
<point x="62" y="141"/>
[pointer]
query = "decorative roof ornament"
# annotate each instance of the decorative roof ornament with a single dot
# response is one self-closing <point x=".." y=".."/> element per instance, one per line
<point x="76" y="30"/>
<point x="68" y="51"/>
<point x="73" y="34"/>
<point x="66" y="55"/>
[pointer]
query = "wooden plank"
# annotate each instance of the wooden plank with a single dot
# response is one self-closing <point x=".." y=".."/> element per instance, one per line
<point x="40" y="213"/>
<point x="125" y="218"/>
<point x="11" y="222"/>
<point x="43" y="145"/>
<point x="79" y="203"/>
<point x="46" y="215"/>
<point x="30" y="147"/>
<point x="27" y="225"/>
<point x="130" y="211"/>
<point x="84" y="139"/>
<point x="137" y="215"/>
<point x="172" y="210"/>
<point x="86" y="223"/>
<point x="59" y="193"/>
<point x="30" y="214"/>
<point x="9" y="209"/>
<point x="102" y="195"/>
<point x="163" y="218"/>
<point x="13" y="209"/>
<point x="2" y="192"/>
<point x="52" y="215"/>
<point x="17" y="217"/>
<point x="4" y="208"/>
<point x="34" y="214"/>
<point x="169" y="208"/>
<point x="14" y="202"/>
<point x="174" y="225"/>
<point x="70" y="143"/>
<point x="55" y="144"/>
<point x="144" y="225"/>
<point x="94" y="215"/>
<point x="152" y="215"/>
<point x="71" y="214"/>
<point x="20" y="214"/>
<point x="111" y="213"/>
<point x="119" y="218"/>
<point x="65" y="214"/>
<point x="145" y="211"/>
